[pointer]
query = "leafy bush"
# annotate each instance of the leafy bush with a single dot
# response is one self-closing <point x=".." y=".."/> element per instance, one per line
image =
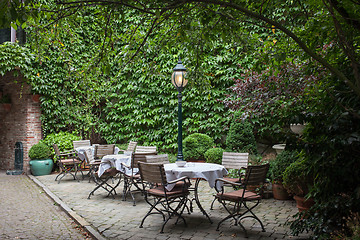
<point x="241" y="137"/>
<point x="214" y="155"/>
<point x="280" y="163"/>
<point x="195" y="146"/>
<point x="64" y="140"/>
<point x="296" y="177"/>
<point x="39" y="151"/>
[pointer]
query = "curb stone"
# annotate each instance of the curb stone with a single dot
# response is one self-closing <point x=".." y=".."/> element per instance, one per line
<point x="77" y="218"/>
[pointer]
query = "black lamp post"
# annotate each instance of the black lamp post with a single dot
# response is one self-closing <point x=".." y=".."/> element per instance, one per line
<point x="179" y="81"/>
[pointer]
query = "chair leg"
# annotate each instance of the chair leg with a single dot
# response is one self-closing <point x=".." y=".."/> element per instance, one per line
<point x="212" y="203"/>
<point x="128" y="183"/>
<point x="152" y="207"/>
<point x="241" y="217"/>
<point x="101" y="185"/>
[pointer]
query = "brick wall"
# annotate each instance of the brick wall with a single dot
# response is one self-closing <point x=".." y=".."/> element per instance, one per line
<point x="20" y="124"/>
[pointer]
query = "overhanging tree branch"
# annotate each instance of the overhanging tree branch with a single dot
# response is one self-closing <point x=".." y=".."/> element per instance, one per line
<point x="289" y="33"/>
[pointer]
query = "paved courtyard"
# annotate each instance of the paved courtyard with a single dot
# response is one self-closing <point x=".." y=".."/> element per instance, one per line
<point x="117" y="219"/>
<point x="28" y="213"/>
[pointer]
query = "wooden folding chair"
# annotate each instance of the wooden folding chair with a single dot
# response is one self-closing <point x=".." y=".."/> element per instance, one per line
<point x="67" y="162"/>
<point x="134" y="178"/>
<point x="254" y="175"/>
<point x="146" y="149"/>
<point x="236" y="161"/>
<point x="161" y="201"/>
<point x="102" y="150"/>
<point x="162" y="158"/>
<point x="81" y="143"/>
<point x="92" y="164"/>
<point x="131" y="147"/>
<point x="103" y="182"/>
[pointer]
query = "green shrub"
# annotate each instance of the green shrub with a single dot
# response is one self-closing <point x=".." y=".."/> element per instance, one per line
<point x="240" y="137"/>
<point x="39" y="151"/>
<point x="280" y="163"/>
<point x="64" y="140"/>
<point x="296" y="178"/>
<point x="214" y="155"/>
<point x="195" y="146"/>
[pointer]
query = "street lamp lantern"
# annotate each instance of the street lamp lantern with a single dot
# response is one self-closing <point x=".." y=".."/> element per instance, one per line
<point x="178" y="77"/>
<point x="179" y="80"/>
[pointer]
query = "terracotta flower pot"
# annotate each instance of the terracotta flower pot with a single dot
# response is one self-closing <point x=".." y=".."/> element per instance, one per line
<point x="279" y="192"/>
<point x="303" y="204"/>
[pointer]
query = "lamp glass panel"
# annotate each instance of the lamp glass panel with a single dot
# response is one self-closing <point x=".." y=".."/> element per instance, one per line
<point x="178" y="79"/>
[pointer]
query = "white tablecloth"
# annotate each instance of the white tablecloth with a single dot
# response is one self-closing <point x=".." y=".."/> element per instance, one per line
<point x="116" y="161"/>
<point x="81" y="151"/>
<point x="208" y="171"/>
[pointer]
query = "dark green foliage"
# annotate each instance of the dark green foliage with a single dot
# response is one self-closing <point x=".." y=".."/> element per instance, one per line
<point x="240" y="137"/>
<point x="296" y="178"/>
<point x="64" y="140"/>
<point x="39" y="151"/>
<point x="195" y="146"/>
<point x="214" y="155"/>
<point x="280" y="163"/>
<point x="5" y="99"/>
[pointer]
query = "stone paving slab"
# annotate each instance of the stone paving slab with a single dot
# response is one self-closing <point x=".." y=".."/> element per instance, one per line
<point x="28" y="213"/>
<point x="117" y="219"/>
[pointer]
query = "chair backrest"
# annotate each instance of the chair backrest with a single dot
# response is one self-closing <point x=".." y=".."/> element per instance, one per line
<point x="81" y="143"/>
<point x="232" y="160"/>
<point x="152" y="172"/>
<point x="105" y="149"/>
<point x="89" y="157"/>
<point x="256" y="175"/>
<point x="162" y="158"/>
<point x="56" y="149"/>
<point x="145" y="149"/>
<point x="140" y="157"/>
<point x="132" y="146"/>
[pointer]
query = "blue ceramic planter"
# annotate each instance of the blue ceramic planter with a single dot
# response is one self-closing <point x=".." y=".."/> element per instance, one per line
<point x="41" y="167"/>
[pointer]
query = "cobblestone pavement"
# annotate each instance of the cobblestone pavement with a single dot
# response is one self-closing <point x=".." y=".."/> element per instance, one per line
<point x="28" y="213"/>
<point x="117" y="219"/>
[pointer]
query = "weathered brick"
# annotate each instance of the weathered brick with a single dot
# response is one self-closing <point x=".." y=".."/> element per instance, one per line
<point x="20" y="124"/>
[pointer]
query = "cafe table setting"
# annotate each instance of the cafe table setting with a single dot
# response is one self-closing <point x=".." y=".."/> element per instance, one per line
<point x="198" y="171"/>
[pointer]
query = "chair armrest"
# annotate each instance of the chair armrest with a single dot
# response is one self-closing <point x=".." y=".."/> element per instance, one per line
<point x="178" y="180"/>
<point x="127" y="166"/>
<point x="228" y="182"/>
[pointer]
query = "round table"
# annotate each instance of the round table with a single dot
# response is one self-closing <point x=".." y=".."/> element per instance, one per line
<point x="208" y="171"/>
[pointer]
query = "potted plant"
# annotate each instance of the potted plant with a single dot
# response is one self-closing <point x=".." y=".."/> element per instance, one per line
<point x="40" y="163"/>
<point x="5" y="101"/>
<point x="276" y="171"/>
<point x="298" y="180"/>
